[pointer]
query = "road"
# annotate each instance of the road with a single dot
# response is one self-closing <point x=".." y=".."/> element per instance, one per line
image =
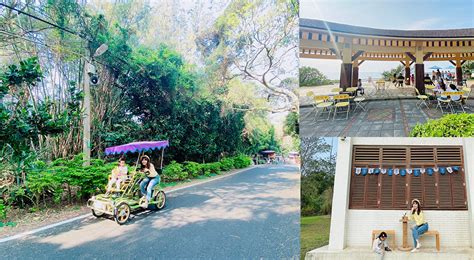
<point x="253" y="214"/>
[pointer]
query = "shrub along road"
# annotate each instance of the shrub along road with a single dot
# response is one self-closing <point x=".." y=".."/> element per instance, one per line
<point x="253" y="214"/>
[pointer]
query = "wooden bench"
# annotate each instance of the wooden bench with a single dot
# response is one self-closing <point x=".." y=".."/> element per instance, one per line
<point x="390" y="233"/>
<point x="433" y="233"/>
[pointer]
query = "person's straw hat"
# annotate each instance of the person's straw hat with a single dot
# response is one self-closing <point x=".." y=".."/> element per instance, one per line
<point x="417" y="200"/>
<point x="145" y="157"/>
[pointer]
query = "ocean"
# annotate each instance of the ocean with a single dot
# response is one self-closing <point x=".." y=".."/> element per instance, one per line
<point x="362" y="75"/>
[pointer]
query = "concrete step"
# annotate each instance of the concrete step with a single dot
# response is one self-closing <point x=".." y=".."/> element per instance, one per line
<point x="323" y="253"/>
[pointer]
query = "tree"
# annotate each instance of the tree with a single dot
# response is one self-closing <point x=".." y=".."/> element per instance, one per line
<point x="388" y="75"/>
<point x="317" y="179"/>
<point x="312" y="77"/>
<point x="468" y="68"/>
<point x="25" y="119"/>
<point x="291" y="126"/>
<point x="256" y="40"/>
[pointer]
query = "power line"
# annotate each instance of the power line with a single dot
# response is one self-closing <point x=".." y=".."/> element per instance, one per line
<point x="44" y="21"/>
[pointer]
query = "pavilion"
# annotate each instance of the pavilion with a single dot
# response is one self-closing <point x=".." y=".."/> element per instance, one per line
<point x="355" y="45"/>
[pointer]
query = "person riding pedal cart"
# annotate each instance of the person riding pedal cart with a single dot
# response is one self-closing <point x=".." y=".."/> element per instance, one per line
<point x="152" y="179"/>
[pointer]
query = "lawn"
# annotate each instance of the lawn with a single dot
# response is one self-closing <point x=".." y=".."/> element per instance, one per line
<point x="314" y="233"/>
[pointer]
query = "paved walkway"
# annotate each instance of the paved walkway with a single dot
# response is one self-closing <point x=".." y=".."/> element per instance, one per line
<point x="389" y="92"/>
<point x="382" y="118"/>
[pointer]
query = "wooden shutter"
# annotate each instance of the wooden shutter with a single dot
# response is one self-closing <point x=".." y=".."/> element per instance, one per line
<point x="444" y="191"/>
<point x="381" y="191"/>
<point x="422" y="155"/>
<point x="458" y="186"/>
<point x="386" y="192"/>
<point x="372" y="191"/>
<point x="416" y="188"/>
<point x="395" y="155"/>
<point x="448" y="155"/>
<point x="399" y="192"/>
<point x="430" y="198"/>
<point x="357" y="196"/>
<point x="366" y="154"/>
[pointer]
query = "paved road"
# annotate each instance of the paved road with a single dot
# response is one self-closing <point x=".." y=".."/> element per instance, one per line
<point x="253" y="214"/>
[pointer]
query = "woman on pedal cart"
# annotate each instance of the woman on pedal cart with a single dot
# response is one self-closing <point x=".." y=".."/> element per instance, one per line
<point x="152" y="179"/>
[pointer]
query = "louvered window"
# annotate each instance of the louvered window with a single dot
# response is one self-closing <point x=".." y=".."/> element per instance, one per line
<point x="382" y="191"/>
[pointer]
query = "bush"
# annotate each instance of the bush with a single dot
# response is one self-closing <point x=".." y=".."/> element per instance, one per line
<point x="455" y="125"/>
<point x="67" y="177"/>
<point x="3" y="211"/>
<point x="242" y="161"/>
<point x="193" y="169"/>
<point x="211" y="168"/>
<point x="227" y="164"/>
<point x="174" y="172"/>
<point x="312" y="77"/>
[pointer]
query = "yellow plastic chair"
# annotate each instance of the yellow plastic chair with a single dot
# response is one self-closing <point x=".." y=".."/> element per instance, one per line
<point x="421" y="99"/>
<point x="322" y="104"/>
<point x="467" y="92"/>
<point x="341" y="102"/>
<point x="444" y="101"/>
<point x="459" y="102"/>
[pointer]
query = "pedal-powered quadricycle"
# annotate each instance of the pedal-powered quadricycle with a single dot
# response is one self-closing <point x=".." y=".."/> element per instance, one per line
<point x="120" y="203"/>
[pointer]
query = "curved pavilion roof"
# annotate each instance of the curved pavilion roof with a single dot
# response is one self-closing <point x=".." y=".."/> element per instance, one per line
<point x="327" y="40"/>
<point x="359" y="30"/>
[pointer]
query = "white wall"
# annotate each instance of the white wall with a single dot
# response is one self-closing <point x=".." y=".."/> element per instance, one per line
<point x="469" y="173"/>
<point x="340" y="199"/>
<point x="452" y="227"/>
<point x="354" y="227"/>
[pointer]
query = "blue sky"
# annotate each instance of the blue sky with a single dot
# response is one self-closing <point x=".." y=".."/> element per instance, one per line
<point x="388" y="14"/>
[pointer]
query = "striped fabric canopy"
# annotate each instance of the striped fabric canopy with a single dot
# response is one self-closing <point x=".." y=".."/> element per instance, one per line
<point x="136" y="147"/>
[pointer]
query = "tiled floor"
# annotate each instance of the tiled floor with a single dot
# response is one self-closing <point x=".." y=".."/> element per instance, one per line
<point x="382" y="118"/>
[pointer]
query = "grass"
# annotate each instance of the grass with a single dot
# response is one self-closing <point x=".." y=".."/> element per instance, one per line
<point x="314" y="233"/>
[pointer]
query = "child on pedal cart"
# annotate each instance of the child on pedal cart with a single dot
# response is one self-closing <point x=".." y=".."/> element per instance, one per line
<point x="119" y="175"/>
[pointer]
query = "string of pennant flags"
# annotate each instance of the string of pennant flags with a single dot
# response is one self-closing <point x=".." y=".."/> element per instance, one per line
<point x="403" y="172"/>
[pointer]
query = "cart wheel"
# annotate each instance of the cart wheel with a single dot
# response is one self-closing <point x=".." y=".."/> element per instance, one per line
<point x="122" y="213"/>
<point x="97" y="214"/>
<point x="160" y="199"/>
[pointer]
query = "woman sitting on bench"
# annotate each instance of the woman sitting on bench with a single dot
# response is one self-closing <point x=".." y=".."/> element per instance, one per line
<point x="420" y="227"/>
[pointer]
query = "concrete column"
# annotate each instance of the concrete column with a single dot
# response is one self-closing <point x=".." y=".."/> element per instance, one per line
<point x="355" y="73"/>
<point x="346" y="67"/>
<point x="340" y="200"/>
<point x="469" y="174"/>
<point x="458" y="72"/>
<point x="419" y="70"/>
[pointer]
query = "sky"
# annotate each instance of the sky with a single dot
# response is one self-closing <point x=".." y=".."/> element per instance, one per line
<point x="387" y="14"/>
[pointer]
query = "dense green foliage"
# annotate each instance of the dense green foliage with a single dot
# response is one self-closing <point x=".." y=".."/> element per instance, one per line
<point x="227" y="164"/>
<point x="312" y="77"/>
<point x="468" y="68"/>
<point x="317" y="179"/>
<point x="453" y="125"/>
<point x="22" y="119"/>
<point x="291" y="126"/>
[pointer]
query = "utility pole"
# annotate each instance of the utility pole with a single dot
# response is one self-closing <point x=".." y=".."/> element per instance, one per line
<point x="86" y="140"/>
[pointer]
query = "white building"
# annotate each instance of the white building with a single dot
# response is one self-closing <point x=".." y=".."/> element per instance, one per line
<point x="375" y="182"/>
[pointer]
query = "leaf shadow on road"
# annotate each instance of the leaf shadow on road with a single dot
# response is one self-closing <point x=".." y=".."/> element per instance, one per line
<point x="253" y="214"/>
